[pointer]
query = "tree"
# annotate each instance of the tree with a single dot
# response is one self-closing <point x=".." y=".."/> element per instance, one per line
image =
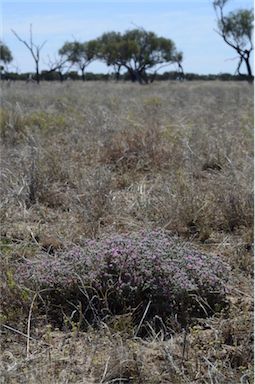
<point x="35" y="50"/>
<point x="5" y="56"/>
<point x="137" y="51"/>
<point x="236" y="30"/>
<point x="59" y="66"/>
<point x="79" y="54"/>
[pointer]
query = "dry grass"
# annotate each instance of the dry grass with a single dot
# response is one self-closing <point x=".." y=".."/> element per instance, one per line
<point x="82" y="160"/>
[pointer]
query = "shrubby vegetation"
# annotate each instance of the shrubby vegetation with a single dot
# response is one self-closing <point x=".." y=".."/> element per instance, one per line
<point x="119" y="273"/>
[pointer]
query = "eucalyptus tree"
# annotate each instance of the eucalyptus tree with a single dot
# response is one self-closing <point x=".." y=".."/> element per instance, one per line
<point x="79" y="54"/>
<point x="137" y="51"/>
<point x="236" y="29"/>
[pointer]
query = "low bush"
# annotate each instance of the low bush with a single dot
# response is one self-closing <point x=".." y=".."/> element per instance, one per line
<point x="117" y="274"/>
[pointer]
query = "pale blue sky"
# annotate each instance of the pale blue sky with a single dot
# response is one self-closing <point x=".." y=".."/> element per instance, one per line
<point x="189" y="23"/>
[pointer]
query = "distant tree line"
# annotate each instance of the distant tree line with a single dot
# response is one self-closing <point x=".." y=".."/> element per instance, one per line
<point x="90" y="76"/>
<point x="136" y="55"/>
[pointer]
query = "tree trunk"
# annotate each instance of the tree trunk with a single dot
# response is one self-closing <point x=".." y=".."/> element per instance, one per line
<point x="143" y="77"/>
<point x="37" y="76"/>
<point x="181" y="72"/>
<point x="83" y="74"/>
<point x="137" y="76"/>
<point x="153" y="77"/>
<point x="117" y="74"/>
<point x="245" y="56"/>
<point x="248" y="66"/>
<point x="132" y="75"/>
<point x="61" y="77"/>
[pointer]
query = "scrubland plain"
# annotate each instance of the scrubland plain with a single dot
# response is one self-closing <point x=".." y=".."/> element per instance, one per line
<point x="127" y="233"/>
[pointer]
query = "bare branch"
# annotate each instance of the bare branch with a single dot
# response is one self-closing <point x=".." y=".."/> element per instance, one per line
<point x="42" y="45"/>
<point x="33" y="49"/>
<point x="21" y="40"/>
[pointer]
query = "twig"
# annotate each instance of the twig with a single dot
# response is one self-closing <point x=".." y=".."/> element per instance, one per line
<point x="184" y="345"/>
<point x="142" y="319"/>
<point x="117" y="380"/>
<point x="105" y="370"/>
<point x="29" y="323"/>
<point x="242" y="293"/>
<point x="244" y="379"/>
<point x="19" y="332"/>
<point x="170" y="359"/>
<point x="213" y="367"/>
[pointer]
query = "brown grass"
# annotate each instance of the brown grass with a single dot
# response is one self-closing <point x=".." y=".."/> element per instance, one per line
<point x="81" y="160"/>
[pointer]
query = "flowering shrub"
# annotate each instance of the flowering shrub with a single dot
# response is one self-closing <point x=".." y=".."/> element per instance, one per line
<point x="123" y="271"/>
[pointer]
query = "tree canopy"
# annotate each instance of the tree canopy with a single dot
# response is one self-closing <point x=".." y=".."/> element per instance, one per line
<point x="5" y="53"/>
<point x="137" y="51"/>
<point x="79" y="54"/>
<point x="238" y="27"/>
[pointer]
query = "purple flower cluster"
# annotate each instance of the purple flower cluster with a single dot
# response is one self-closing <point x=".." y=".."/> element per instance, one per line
<point x="131" y="268"/>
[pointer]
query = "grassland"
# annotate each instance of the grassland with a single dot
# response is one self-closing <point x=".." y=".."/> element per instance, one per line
<point x="88" y="160"/>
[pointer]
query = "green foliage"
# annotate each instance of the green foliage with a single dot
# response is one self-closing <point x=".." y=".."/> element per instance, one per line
<point x="137" y="51"/>
<point x="79" y="54"/>
<point x="238" y="26"/>
<point x="5" y="54"/>
<point x="219" y="3"/>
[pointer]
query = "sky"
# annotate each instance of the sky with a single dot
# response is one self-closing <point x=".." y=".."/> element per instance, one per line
<point x="190" y="24"/>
